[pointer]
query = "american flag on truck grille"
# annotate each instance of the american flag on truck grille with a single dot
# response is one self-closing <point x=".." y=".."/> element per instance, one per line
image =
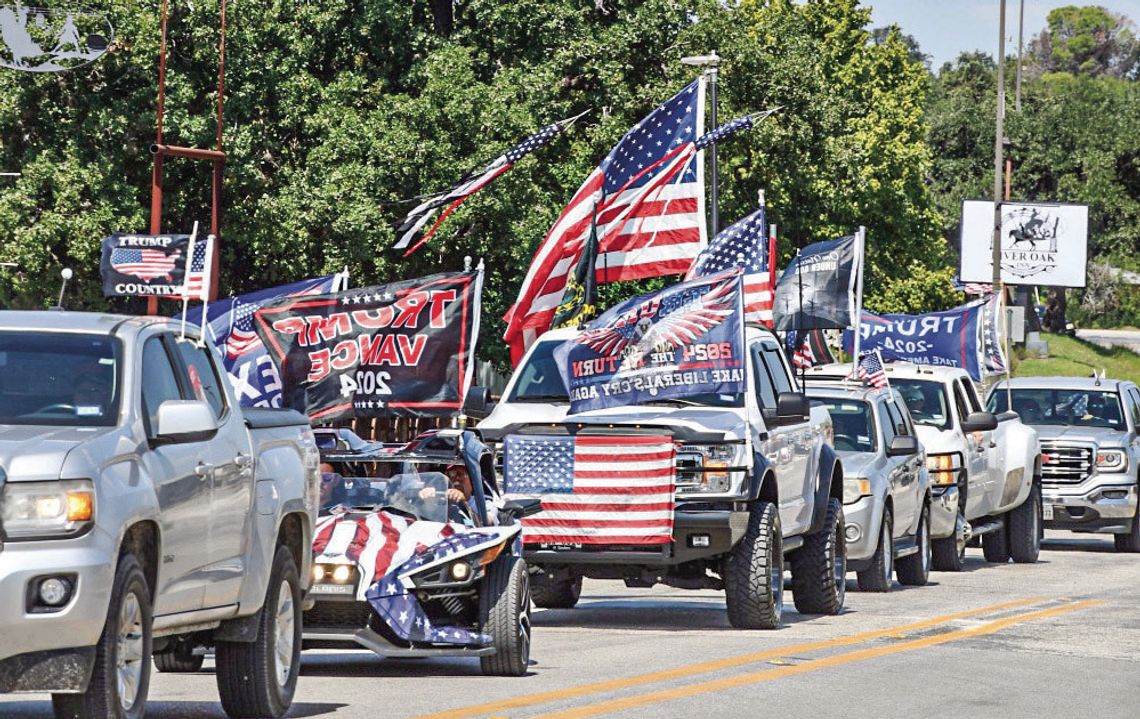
<point x="597" y="489"/>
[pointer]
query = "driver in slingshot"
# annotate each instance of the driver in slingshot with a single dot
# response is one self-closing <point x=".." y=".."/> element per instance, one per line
<point x="459" y="491"/>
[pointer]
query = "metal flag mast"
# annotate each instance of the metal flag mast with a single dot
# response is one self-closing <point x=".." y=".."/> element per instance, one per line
<point x="710" y="63"/>
<point x="161" y="151"/>
<point x="860" y="251"/>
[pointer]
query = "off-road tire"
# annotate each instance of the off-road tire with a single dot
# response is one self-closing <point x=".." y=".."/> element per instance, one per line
<point x="913" y="570"/>
<point x="504" y="607"/>
<point x="101" y="700"/>
<point x="995" y="545"/>
<point x="555" y="594"/>
<point x="878" y="577"/>
<point x="247" y="671"/>
<point x="754" y="572"/>
<point x="946" y="555"/>
<point x="1025" y="523"/>
<point x="180" y="659"/>
<point x="819" y="567"/>
<point x="1129" y="542"/>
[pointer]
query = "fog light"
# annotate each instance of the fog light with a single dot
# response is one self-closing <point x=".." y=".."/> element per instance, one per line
<point x="318" y="572"/>
<point x="1115" y="493"/>
<point x="852" y="532"/>
<point x="460" y="571"/>
<point x="55" y="591"/>
<point x="699" y="540"/>
<point x="342" y="573"/>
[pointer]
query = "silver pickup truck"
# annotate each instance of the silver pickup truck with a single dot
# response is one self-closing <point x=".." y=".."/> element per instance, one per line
<point x="143" y="512"/>
<point x="1090" y="451"/>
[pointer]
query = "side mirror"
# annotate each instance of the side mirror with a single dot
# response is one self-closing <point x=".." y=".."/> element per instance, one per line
<point x="791" y="408"/>
<point x="980" y="422"/>
<point x="477" y="404"/>
<point x="903" y="445"/>
<point x="519" y="508"/>
<point x="185" y="421"/>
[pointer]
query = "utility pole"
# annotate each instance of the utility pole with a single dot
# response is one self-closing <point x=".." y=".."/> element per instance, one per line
<point x="998" y="152"/>
<point x="1020" y="38"/>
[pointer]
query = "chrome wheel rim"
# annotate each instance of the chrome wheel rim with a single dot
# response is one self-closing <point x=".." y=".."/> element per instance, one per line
<point x="839" y="562"/>
<point x="129" y="651"/>
<point x="924" y="543"/>
<point x="524" y="620"/>
<point x="888" y="551"/>
<point x="285" y="623"/>
<point x="776" y="579"/>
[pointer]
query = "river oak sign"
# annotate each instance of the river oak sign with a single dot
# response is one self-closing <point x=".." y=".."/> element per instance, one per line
<point x="1041" y="243"/>
<point x="36" y="39"/>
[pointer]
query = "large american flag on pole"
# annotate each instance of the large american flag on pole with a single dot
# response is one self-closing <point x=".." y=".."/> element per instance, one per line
<point x="744" y="242"/>
<point x="648" y="194"/>
<point x="595" y="489"/>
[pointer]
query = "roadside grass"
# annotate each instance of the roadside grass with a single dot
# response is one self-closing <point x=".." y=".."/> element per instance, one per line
<point x="1071" y="357"/>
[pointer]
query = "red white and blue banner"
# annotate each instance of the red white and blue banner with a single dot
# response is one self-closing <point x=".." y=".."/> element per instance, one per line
<point x="144" y="265"/>
<point x="682" y="341"/>
<point x="401" y="349"/>
<point x="966" y="337"/>
<point x="595" y="489"/>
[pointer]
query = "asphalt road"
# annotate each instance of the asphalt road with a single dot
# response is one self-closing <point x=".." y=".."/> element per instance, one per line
<point x="1057" y="639"/>
<point x="1111" y="338"/>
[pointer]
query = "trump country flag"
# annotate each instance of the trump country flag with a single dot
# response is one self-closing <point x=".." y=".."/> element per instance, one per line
<point x="595" y="489"/>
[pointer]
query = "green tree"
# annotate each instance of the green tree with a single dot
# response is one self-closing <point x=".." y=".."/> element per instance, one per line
<point x="1087" y="40"/>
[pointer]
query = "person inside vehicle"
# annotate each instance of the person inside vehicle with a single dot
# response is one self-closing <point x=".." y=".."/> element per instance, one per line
<point x="92" y="393"/>
<point x="459" y="491"/>
<point x="1029" y="410"/>
<point x="333" y="492"/>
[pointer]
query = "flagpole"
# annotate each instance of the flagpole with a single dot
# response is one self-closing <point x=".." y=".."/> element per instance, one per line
<point x="210" y="277"/>
<point x="711" y="63"/>
<point x="189" y="262"/>
<point x="860" y="241"/>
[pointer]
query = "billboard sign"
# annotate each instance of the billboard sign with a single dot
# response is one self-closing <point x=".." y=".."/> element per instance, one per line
<point x="1041" y="243"/>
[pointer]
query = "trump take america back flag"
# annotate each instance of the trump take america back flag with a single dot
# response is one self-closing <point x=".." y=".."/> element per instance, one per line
<point x="595" y="489"/>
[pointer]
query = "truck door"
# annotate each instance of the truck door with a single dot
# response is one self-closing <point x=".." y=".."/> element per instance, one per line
<point x="181" y="486"/>
<point x="789" y="447"/>
<point x="231" y="477"/>
<point x="977" y="457"/>
<point x="905" y="471"/>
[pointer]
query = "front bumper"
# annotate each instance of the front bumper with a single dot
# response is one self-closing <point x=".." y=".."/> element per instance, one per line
<point x="862" y="521"/>
<point x="343" y="624"/>
<point x="943" y="512"/>
<point x="1091" y="507"/>
<point x="53" y="651"/>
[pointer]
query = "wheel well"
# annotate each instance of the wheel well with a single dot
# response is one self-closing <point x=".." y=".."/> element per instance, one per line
<point x="836" y="489"/>
<point x="889" y="504"/>
<point x="769" y="489"/>
<point x="141" y="540"/>
<point x="292" y="536"/>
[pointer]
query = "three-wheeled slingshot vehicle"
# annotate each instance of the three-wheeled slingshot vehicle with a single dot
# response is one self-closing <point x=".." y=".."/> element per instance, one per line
<point x="415" y="554"/>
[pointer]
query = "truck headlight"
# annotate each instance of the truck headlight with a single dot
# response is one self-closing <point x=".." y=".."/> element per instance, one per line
<point x="47" y="509"/>
<point x="944" y="468"/>
<point x="706" y="468"/>
<point x="1110" y="460"/>
<point x="855" y="488"/>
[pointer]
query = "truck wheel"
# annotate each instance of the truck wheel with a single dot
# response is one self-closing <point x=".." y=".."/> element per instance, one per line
<point x="121" y="676"/>
<point x="950" y="552"/>
<point x="1129" y="542"/>
<point x="819" y="568"/>
<point x="995" y="545"/>
<point x="258" y="678"/>
<point x="754" y="576"/>
<point x="179" y="659"/>
<point x="555" y="594"/>
<point x="914" y="570"/>
<point x="504" y="606"/>
<point x="877" y="578"/>
<point x="1025" y="528"/>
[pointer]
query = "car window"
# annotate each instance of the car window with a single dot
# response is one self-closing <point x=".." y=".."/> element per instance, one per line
<point x="886" y="424"/>
<point x="960" y="403"/>
<point x="971" y="395"/>
<point x="1135" y="397"/>
<point x="765" y="389"/>
<point x="202" y="376"/>
<point x="775" y="369"/>
<point x="159" y="383"/>
<point x="896" y="418"/>
<point x="926" y="400"/>
<point x="851" y="420"/>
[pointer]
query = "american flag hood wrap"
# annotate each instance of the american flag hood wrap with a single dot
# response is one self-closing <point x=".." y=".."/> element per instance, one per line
<point x="387" y="548"/>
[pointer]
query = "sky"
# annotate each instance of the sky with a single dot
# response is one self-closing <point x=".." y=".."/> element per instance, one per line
<point x="944" y="28"/>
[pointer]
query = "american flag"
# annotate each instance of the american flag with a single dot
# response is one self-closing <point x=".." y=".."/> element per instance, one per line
<point x="197" y="284"/>
<point x="803" y="358"/>
<point x="144" y="264"/>
<point x="747" y="238"/>
<point x="871" y="370"/>
<point x="242" y="339"/>
<point x="971" y="288"/>
<point x="469" y="184"/>
<point x="595" y="489"/>
<point x="647" y="226"/>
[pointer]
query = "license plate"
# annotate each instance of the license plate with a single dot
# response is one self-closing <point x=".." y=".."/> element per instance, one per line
<point x="1047" y="512"/>
<point x="332" y="589"/>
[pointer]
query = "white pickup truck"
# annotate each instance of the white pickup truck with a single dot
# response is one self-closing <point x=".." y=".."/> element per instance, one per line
<point x="756" y="479"/>
<point x="985" y="470"/>
<point x="144" y="512"/>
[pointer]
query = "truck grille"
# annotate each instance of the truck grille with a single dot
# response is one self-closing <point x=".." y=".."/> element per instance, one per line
<point x="1065" y="463"/>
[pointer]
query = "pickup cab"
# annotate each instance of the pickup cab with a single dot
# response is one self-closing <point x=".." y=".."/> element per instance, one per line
<point x="755" y="480"/>
<point x="985" y="470"/>
<point x="144" y="513"/>
<point x="1090" y="451"/>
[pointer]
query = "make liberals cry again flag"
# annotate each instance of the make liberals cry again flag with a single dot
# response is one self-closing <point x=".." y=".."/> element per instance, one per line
<point x="401" y="349"/>
<point x="685" y="340"/>
<point x="144" y="265"/>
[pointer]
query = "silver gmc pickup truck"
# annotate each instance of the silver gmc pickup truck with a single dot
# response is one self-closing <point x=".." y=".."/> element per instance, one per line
<point x="1090" y="451"/>
<point x="143" y="512"/>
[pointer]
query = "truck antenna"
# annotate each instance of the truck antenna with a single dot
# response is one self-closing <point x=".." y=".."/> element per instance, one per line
<point x="66" y="274"/>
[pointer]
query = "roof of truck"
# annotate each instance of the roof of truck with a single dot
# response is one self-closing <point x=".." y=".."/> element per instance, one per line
<point x="902" y="369"/>
<point x="1064" y="383"/>
<point x="849" y="391"/>
<point x="66" y="321"/>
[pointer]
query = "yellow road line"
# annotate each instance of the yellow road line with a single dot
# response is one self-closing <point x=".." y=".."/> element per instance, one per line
<point x="688" y="690"/>
<point x="687" y="671"/>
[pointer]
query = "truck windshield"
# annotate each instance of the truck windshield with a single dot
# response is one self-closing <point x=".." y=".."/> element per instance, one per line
<point x="852" y="421"/>
<point x="926" y="400"/>
<point x="1074" y="407"/>
<point x="540" y="381"/>
<point x="60" y="379"/>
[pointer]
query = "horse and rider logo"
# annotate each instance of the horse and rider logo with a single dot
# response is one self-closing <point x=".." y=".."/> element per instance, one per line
<point x="37" y="39"/>
<point x="1029" y="240"/>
